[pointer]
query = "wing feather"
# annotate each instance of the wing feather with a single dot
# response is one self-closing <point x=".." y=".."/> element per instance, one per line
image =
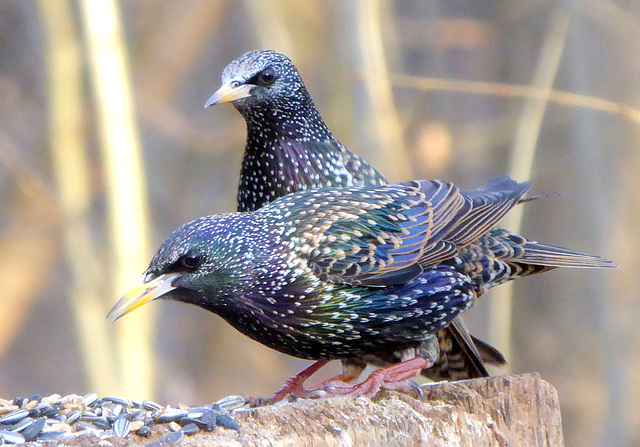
<point x="387" y="235"/>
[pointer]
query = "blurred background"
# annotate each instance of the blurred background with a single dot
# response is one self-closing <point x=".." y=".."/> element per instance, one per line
<point x="105" y="149"/>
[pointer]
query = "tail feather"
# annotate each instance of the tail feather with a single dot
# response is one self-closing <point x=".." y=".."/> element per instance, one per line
<point x="549" y="195"/>
<point x="551" y="256"/>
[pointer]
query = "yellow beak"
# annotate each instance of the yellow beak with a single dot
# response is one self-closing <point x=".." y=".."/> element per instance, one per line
<point x="142" y="292"/>
<point x="227" y="93"/>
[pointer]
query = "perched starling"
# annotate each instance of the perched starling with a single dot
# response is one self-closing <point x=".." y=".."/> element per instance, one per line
<point x="354" y="272"/>
<point x="289" y="149"/>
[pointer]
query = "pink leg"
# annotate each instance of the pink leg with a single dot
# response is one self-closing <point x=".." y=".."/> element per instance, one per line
<point x="392" y="377"/>
<point x="350" y="372"/>
<point x="341" y="378"/>
<point x="293" y="385"/>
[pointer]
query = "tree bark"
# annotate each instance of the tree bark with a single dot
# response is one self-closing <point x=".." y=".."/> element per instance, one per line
<point x="520" y="410"/>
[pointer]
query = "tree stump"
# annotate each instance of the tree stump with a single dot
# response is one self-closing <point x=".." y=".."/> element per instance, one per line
<point x="520" y="410"/>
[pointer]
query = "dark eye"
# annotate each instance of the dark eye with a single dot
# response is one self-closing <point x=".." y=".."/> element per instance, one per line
<point x="191" y="261"/>
<point x="267" y="77"/>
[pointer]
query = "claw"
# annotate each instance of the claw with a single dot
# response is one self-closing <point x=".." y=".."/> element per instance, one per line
<point x="395" y="377"/>
<point x="293" y="388"/>
<point x="416" y="386"/>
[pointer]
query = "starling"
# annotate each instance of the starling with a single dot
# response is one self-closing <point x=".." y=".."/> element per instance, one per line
<point x="353" y="272"/>
<point x="289" y="148"/>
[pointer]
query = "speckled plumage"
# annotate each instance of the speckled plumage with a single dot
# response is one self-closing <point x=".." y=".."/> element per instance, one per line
<point x="356" y="272"/>
<point x="289" y="148"/>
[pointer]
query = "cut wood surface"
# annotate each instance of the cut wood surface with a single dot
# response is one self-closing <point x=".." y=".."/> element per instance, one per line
<point x="521" y="410"/>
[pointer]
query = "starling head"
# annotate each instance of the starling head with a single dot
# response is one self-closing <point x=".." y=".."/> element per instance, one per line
<point x="263" y="79"/>
<point x="204" y="262"/>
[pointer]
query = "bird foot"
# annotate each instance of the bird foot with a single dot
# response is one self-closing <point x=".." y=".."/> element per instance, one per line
<point x="395" y="377"/>
<point x="293" y="387"/>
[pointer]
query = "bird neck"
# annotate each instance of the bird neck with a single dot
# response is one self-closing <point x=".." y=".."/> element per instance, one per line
<point x="292" y="120"/>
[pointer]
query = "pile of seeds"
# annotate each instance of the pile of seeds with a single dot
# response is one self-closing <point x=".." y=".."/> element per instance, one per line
<point x="55" y="417"/>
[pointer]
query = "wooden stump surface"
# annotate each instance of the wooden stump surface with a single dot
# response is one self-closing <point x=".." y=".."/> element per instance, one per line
<point x="521" y="410"/>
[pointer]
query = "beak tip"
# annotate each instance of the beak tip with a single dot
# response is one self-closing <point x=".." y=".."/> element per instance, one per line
<point x="144" y="291"/>
<point x="116" y="311"/>
<point x="213" y="100"/>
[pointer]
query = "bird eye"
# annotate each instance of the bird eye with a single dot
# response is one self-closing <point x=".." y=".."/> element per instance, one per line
<point x="267" y="76"/>
<point x="191" y="260"/>
<point x="235" y="84"/>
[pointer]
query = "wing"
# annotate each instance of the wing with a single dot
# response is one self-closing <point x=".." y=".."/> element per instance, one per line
<point x="382" y="236"/>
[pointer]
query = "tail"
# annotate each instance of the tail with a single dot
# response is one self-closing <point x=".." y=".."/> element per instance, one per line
<point x="551" y="256"/>
<point x="511" y="247"/>
<point x="549" y="195"/>
<point x="504" y="256"/>
<point x="462" y="356"/>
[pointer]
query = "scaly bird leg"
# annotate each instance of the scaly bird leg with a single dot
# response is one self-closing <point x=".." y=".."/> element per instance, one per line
<point x="351" y="370"/>
<point x="394" y="377"/>
<point x="293" y="385"/>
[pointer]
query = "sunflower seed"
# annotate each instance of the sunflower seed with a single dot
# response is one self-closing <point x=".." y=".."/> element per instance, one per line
<point x="144" y="431"/>
<point x="215" y="407"/>
<point x="32" y="431"/>
<point x="88" y="416"/>
<point x="22" y="425"/>
<point x="11" y="438"/>
<point x="189" y="420"/>
<point x="150" y="405"/>
<point x="196" y="412"/>
<point x="118" y="400"/>
<point x="101" y="423"/>
<point x="121" y="427"/>
<point x="171" y="416"/>
<point x="138" y="415"/>
<point x="190" y="429"/>
<point x="172" y="438"/>
<point x="231" y="402"/>
<point x="52" y="411"/>
<point x="226" y="421"/>
<point x="90" y="399"/>
<point x="209" y="419"/>
<point x="14" y="416"/>
<point x="51" y="435"/>
<point x="73" y="417"/>
<point x="39" y="410"/>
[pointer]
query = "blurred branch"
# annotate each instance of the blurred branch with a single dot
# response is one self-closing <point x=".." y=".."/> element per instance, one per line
<point x="125" y="180"/>
<point x="72" y="176"/>
<point x="515" y="91"/>
<point x="386" y="123"/>
<point x="522" y="160"/>
<point x="27" y="246"/>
